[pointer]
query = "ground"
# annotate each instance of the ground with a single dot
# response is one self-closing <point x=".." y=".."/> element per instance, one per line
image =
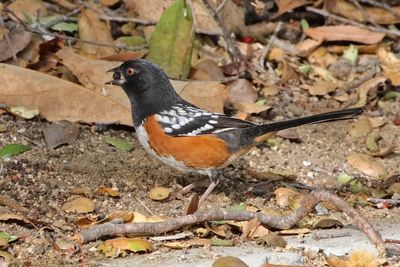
<point x="43" y="179"/>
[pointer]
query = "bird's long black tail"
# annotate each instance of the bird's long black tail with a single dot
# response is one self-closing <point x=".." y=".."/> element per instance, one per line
<point x="344" y="114"/>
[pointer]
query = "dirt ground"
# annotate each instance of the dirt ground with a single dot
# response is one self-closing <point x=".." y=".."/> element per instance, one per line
<point x="43" y="179"/>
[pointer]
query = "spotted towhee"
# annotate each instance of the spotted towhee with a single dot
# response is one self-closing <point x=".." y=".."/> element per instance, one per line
<point x="189" y="138"/>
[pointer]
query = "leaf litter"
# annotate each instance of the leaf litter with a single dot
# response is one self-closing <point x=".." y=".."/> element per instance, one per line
<point x="320" y="75"/>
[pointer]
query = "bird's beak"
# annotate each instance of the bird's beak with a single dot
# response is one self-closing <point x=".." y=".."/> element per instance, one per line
<point x="118" y="78"/>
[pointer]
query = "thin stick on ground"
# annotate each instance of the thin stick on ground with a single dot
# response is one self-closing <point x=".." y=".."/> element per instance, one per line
<point x="269" y="45"/>
<point x="351" y="22"/>
<point x="284" y="222"/>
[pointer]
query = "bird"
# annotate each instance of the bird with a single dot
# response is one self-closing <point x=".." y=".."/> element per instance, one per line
<point x="189" y="138"/>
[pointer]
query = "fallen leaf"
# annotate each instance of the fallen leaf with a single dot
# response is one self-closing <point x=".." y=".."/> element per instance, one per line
<point x="286" y="197"/>
<point x="171" y="43"/>
<point x="109" y="191"/>
<point x="242" y="91"/>
<point x="215" y="241"/>
<point x="229" y="261"/>
<point x="272" y="240"/>
<point x="17" y="37"/>
<point x="207" y="70"/>
<point x="30" y="7"/>
<point x="7" y="256"/>
<point x="91" y="28"/>
<point x="357" y="258"/>
<point x="367" y="165"/>
<point x="253" y="229"/>
<point x="13" y="217"/>
<point x="125" y="56"/>
<point x="58" y="99"/>
<point x="344" y="33"/>
<point x="195" y="242"/>
<point x="12" y="150"/>
<point x="390" y="64"/>
<point x="377" y="15"/>
<point x="361" y="127"/>
<point x="326" y="222"/>
<point x="60" y="133"/>
<point x="204" y="94"/>
<point x="298" y="231"/>
<point x="354" y="184"/>
<point x="159" y="193"/>
<point x="91" y="73"/>
<point x="250" y="108"/>
<point x="79" y="205"/>
<point x="320" y="87"/>
<point x="119" y="144"/>
<point x="288" y="5"/>
<point x="307" y="46"/>
<point x="23" y="112"/>
<point x="113" y="247"/>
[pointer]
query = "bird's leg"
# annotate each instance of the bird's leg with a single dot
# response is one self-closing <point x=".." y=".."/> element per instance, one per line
<point x="214" y="178"/>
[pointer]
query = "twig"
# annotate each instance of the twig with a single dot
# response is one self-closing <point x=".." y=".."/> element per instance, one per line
<point x="62" y="18"/>
<point x="8" y="39"/>
<point x="133" y="20"/>
<point x="284" y="222"/>
<point x="351" y="22"/>
<point x="383" y="5"/>
<point x="364" y="14"/>
<point x="269" y="45"/>
<point x="230" y="44"/>
<point x="391" y="202"/>
<point x="221" y="6"/>
<point x="45" y="32"/>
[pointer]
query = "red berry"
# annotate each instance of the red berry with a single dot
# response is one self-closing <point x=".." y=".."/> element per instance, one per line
<point x="396" y="121"/>
<point x="247" y="39"/>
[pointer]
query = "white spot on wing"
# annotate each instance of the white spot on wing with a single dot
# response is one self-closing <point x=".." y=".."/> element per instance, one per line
<point x="168" y="130"/>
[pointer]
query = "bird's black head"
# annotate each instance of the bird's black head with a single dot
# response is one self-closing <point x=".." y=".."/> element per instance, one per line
<point x="147" y="87"/>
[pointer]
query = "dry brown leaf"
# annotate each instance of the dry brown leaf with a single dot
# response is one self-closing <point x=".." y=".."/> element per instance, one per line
<point x="92" y="74"/>
<point x="207" y="70"/>
<point x="109" y="191"/>
<point x="109" y="2"/>
<point x="31" y="7"/>
<point x="344" y="33"/>
<point x="307" y="46"/>
<point x="229" y="261"/>
<point x="195" y="242"/>
<point x="298" y="231"/>
<point x="114" y="247"/>
<point x="250" y="108"/>
<point x="326" y="222"/>
<point x="286" y="197"/>
<point x="361" y="127"/>
<point x="320" y="87"/>
<point x="368" y="165"/>
<point x="348" y="10"/>
<point x="14" y="217"/>
<point x="390" y="64"/>
<point x="272" y="240"/>
<point x="19" y="39"/>
<point x="357" y="258"/>
<point x="62" y="132"/>
<point x="288" y="5"/>
<point x="91" y="28"/>
<point x="159" y="193"/>
<point x="253" y="229"/>
<point x="377" y="122"/>
<point x="368" y="90"/>
<point x="79" y="205"/>
<point x="242" y="91"/>
<point x="204" y="94"/>
<point x="58" y="99"/>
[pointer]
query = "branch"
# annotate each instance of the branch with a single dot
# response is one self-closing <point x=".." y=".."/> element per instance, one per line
<point x="284" y="222"/>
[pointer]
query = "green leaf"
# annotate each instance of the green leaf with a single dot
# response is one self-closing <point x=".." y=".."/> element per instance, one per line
<point x="10" y="238"/>
<point x="65" y="27"/>
<point x="304" y="24"/>
<point x="13" y="149"/>
<point x="305" y="69"/>
<point x="171" y="43"/>
<point x="351" y="54"/>
<point x="119" y="144"/>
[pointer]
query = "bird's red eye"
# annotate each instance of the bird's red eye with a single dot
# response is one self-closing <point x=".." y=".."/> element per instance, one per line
<point x="130" y="71"/>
